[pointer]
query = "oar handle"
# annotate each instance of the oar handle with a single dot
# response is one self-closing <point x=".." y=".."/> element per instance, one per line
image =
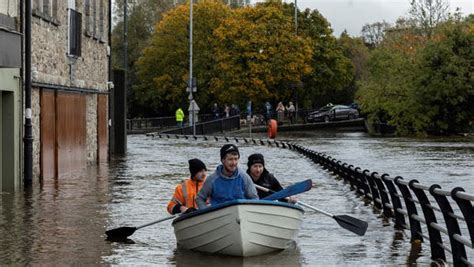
<point x="299" y="202"/>
<point x="160" y="220"/>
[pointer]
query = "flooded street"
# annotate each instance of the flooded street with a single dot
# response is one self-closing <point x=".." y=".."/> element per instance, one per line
<point x="64" y="221"/>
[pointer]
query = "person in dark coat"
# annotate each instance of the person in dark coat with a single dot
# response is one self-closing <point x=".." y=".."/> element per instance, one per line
<point x="260" y="176"/>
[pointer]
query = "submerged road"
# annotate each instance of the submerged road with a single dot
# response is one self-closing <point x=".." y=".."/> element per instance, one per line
<point x="64" y="221"/>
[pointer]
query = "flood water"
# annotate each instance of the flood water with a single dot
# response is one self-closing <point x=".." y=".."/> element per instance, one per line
<point x="63" y="221"/>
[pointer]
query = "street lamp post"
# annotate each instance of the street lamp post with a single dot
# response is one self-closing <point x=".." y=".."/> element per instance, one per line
<point x="296" y="33"/>
<point x="191" y="84"/>
<point x="296" y="17"/>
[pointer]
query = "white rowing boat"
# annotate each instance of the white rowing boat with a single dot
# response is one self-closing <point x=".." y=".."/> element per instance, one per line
<point x="239" y="228"/>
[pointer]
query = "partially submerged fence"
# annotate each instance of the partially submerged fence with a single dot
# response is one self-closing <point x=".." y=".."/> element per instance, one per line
<point x="158" y="123"/>
<point x="444" y="218"/>
<point x="214" y="126"/>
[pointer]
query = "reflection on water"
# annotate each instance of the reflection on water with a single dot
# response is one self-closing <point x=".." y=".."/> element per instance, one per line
<point x="57" y="224"/>
<point x="288" y="257"/>
<point x="64" y="221"/>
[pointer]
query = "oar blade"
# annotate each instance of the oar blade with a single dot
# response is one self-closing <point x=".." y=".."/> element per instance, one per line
<point x="120" y="233"/>
<point x="352" y="224"/>
<point x="291" y="190"/>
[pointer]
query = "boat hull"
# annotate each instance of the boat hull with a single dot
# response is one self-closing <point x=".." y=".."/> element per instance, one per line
<point x="239" y="228"/>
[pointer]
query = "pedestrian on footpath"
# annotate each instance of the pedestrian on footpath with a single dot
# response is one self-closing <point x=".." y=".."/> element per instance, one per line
<point x="179" y="117"/>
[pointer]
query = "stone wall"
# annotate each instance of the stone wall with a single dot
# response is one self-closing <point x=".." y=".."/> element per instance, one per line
<point x="53" y="67"/>
<point x="35" y="123"/>
<point x="50" y="61"/>
<point x="91" y="128"/>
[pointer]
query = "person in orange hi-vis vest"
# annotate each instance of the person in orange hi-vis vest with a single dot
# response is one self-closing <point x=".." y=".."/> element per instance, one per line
<point x="184" y="198"/>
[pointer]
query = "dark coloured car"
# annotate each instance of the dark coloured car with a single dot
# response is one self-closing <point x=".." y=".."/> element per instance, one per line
<point x="332" y="113"/>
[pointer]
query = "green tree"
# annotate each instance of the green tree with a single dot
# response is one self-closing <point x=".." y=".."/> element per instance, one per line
<point x="163" y="68"/>
<point x="258" y="56"/>
<point x="422" y="84"/>
<point x="142" y="17"/>
<point x="356" y="50"/>
<point x="332" y="71"/>
<point x="445" y="86"/>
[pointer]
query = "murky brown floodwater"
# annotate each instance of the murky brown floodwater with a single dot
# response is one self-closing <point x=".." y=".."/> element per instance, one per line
<point x="64" y="221"/>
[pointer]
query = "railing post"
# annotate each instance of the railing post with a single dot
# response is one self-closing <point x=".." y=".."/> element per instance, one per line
<point x="359" y="176"/>
<point x="353" y="177"/>
<point x="373" y="189"/>
<point x="458" y="249"/>
<point x="387" y="212"/>
<point x="437" y="252"/>
<point x="466" y="209"/>
<point x="399" y="218"/>
<point x="415" y="227"/>
<point x="345" y="172"/>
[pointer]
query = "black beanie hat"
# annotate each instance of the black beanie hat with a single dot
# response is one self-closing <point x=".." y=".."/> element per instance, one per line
<point x="195" y="166"/>
<point x="255" y="158"/>
<point x="228" y="148"/>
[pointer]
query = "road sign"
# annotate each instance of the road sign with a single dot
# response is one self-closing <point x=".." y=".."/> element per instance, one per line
<point x="193" y="85"/>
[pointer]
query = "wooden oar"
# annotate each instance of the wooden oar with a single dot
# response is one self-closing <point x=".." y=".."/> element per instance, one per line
<point x="352" y="224"/>
<point x="125" y="231"/>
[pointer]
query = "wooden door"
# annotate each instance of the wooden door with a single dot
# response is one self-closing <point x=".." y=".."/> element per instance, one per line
<point x="102" y="128"/>
<point x="48" y="134"/>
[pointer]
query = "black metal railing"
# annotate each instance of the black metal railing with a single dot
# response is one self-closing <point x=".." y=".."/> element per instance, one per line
<point x="448" y="216"/>
<point x="444" y="218"/>
<point x="159" y="123"/>
<point x="214" y="126"/>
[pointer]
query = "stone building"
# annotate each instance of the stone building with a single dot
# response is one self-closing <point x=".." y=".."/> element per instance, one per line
<point x="70" y="85"/>
<point x="70" y="73"/>
<point x="10" y="96"/>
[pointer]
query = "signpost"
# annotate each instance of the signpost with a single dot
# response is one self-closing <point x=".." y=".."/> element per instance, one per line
<point x="249" y="112"/>
<point x="193" y="107"/>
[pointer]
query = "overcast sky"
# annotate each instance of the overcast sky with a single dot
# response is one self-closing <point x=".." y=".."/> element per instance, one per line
<point x="353" y="14"/>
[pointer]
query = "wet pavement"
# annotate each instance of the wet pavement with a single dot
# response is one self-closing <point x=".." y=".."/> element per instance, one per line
<point x="63" y="221"/>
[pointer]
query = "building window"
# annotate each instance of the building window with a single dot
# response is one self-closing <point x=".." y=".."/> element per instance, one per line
<point x="101" y="19"/>
<point x="9" y="8"/>
<point x="94" y="11"/>
<point x="46" y="10"/>
<point x="87" y="12"/>
<point x="94" y="14"/>
<point x="75" y="32"/>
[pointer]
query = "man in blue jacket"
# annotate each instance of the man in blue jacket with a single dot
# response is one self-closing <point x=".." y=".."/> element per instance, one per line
<point x="228" y="182"/>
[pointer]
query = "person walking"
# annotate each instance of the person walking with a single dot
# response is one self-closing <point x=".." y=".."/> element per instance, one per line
<point x="228" y="182"/>
<point x="227" y="111"/>
<point x="215" y="111"/>
<point x="179" y="117"/>
<point x="268" y="111"/>
<point x="280" y="112"/>
<point x="291" y="112"/>
<point x="184" y="197"/>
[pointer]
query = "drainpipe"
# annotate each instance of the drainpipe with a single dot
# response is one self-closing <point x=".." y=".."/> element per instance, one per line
<point x="109" y="14"/>
<point x="109" y="79"/>
<point x="28" y="136"/>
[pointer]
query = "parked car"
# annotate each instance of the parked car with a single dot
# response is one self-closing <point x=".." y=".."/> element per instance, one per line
<point x="332" y="113"/>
